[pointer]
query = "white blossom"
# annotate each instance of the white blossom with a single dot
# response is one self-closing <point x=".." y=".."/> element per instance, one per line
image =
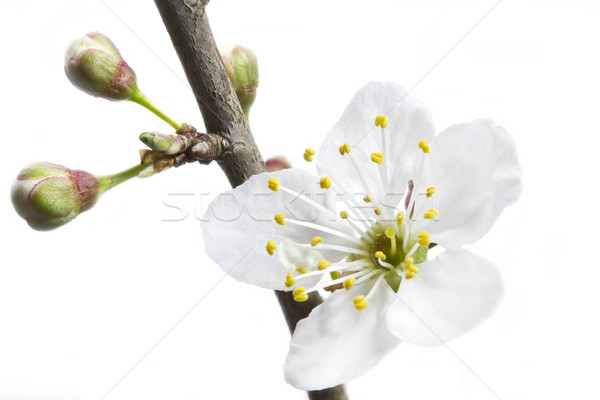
<point x="387" y="191"/>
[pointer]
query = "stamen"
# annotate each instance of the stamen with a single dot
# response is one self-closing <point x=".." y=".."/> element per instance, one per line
<point x="413" y="249"/>
<point x="325" y="182"/>
<point x="430" y="191"/>
<point x="380" y="255"/>
<point x="323" y="264"/>
<point x="299" y="294"/>
<point x="385" y="264"/>
<point x="308" y="153"/>
<point x="377" y="210"/>
<point x="325" y="229"/>
<point x="424" y="238"/>
<point x="377" y="158"/>
<point x="381" y="120"/>
<point x="431" y="213"/>
<point x="344" y="149"/>
<point x="344" y="215"/>
<point x="271" y="247"/>
<point x="280" y="218"/>
<point x="273" y="184"/>
<point x="316" y="240"/>
<point x="354" y="266"/>
<point x="307" y="200"/>
<point x="368" y="199"/>
<point x="362" y="302"/>
<point x="424" y="146"/>
<point x="289" y="280"/>
<point x="343" y="249"/>
<point x="348" y="283"/>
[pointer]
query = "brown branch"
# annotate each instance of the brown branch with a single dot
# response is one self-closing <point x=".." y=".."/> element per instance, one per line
<point x="190" y="32"/>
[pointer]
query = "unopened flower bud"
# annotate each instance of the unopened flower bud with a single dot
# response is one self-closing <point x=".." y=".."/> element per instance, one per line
<point x="277" y="164"/>
<point x="242" y="66"/>
<point x="50" y="195"/>
<point x="166" y="144"/>
<point x="94" y="65"/>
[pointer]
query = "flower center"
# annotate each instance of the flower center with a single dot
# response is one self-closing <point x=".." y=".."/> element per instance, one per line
<point x="384" y="249"/>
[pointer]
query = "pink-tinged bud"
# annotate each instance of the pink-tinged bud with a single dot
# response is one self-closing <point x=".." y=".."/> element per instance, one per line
<point x="277" y="164"/>
<point x="49" y="195"/>
<point x="242" y="66"/>
<point x="94" y="65"/>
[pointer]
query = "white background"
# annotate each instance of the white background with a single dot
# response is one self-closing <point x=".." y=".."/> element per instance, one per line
<point x="79" y="306"/>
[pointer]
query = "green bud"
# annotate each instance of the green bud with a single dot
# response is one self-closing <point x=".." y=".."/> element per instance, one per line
<point x="94" y="65"/>
<point x="277" y="164"/>
<point x="49" y="195"/>
<point x="166" y="144"/>
<point x="242" y="66"/>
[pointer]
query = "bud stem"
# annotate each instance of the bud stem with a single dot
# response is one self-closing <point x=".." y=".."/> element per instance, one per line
<point x="143" y="100"/>
<point x="110" y="181"/>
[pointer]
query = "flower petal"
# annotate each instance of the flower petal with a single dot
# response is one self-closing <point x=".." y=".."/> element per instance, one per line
<point x="475" y="170"/>
<point x="451" y="295"/>
<point x="337" y="342"/>
<point x="239" y="223"/>
<point x="409" y="122"/>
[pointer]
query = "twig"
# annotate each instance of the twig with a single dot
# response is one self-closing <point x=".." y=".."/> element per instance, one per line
<point x="190" y="32"/>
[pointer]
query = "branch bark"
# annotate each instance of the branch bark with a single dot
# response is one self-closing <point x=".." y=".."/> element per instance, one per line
<point x="190" y="32"/>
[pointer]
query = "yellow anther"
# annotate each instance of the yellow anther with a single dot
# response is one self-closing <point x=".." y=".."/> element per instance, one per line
<point x="308" y="153"/>
<point x="400" y="218"/>
<point x="377" y="210"/>
<point x="381" y="120"/>
<point x="359" y="299"/>
<point x="289" y="280"/>
<point x="323" y="264"/>
<point x="377" y="158"/>
<point x="424" y="146"/>
<point x="316" y="240"/>
<point x="344" y="214"/>
<point x="379" y="254"/>
<point x="348" y="283"/>
<point x="280" y="218"/>
<point x="300" y="298"/>
<point x="430" y="191"/>
<point x="409" y="261"/>
<point x="273" y="184"/>
<point x="368" y="199"/>
<point x="409" y="275"/>
<point x="424" y="238"/>
<point x="362" y="305"/>
<point x="431" y="213"/>
<point x="302" y="269"/>
<point x="413" y="269"/>
<point x="271" y="246"/>
<point x="390" y="233"/>
<point x="344" y="149"/>
<point x="325" y="183"/>
<point x="299" y="290"/>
